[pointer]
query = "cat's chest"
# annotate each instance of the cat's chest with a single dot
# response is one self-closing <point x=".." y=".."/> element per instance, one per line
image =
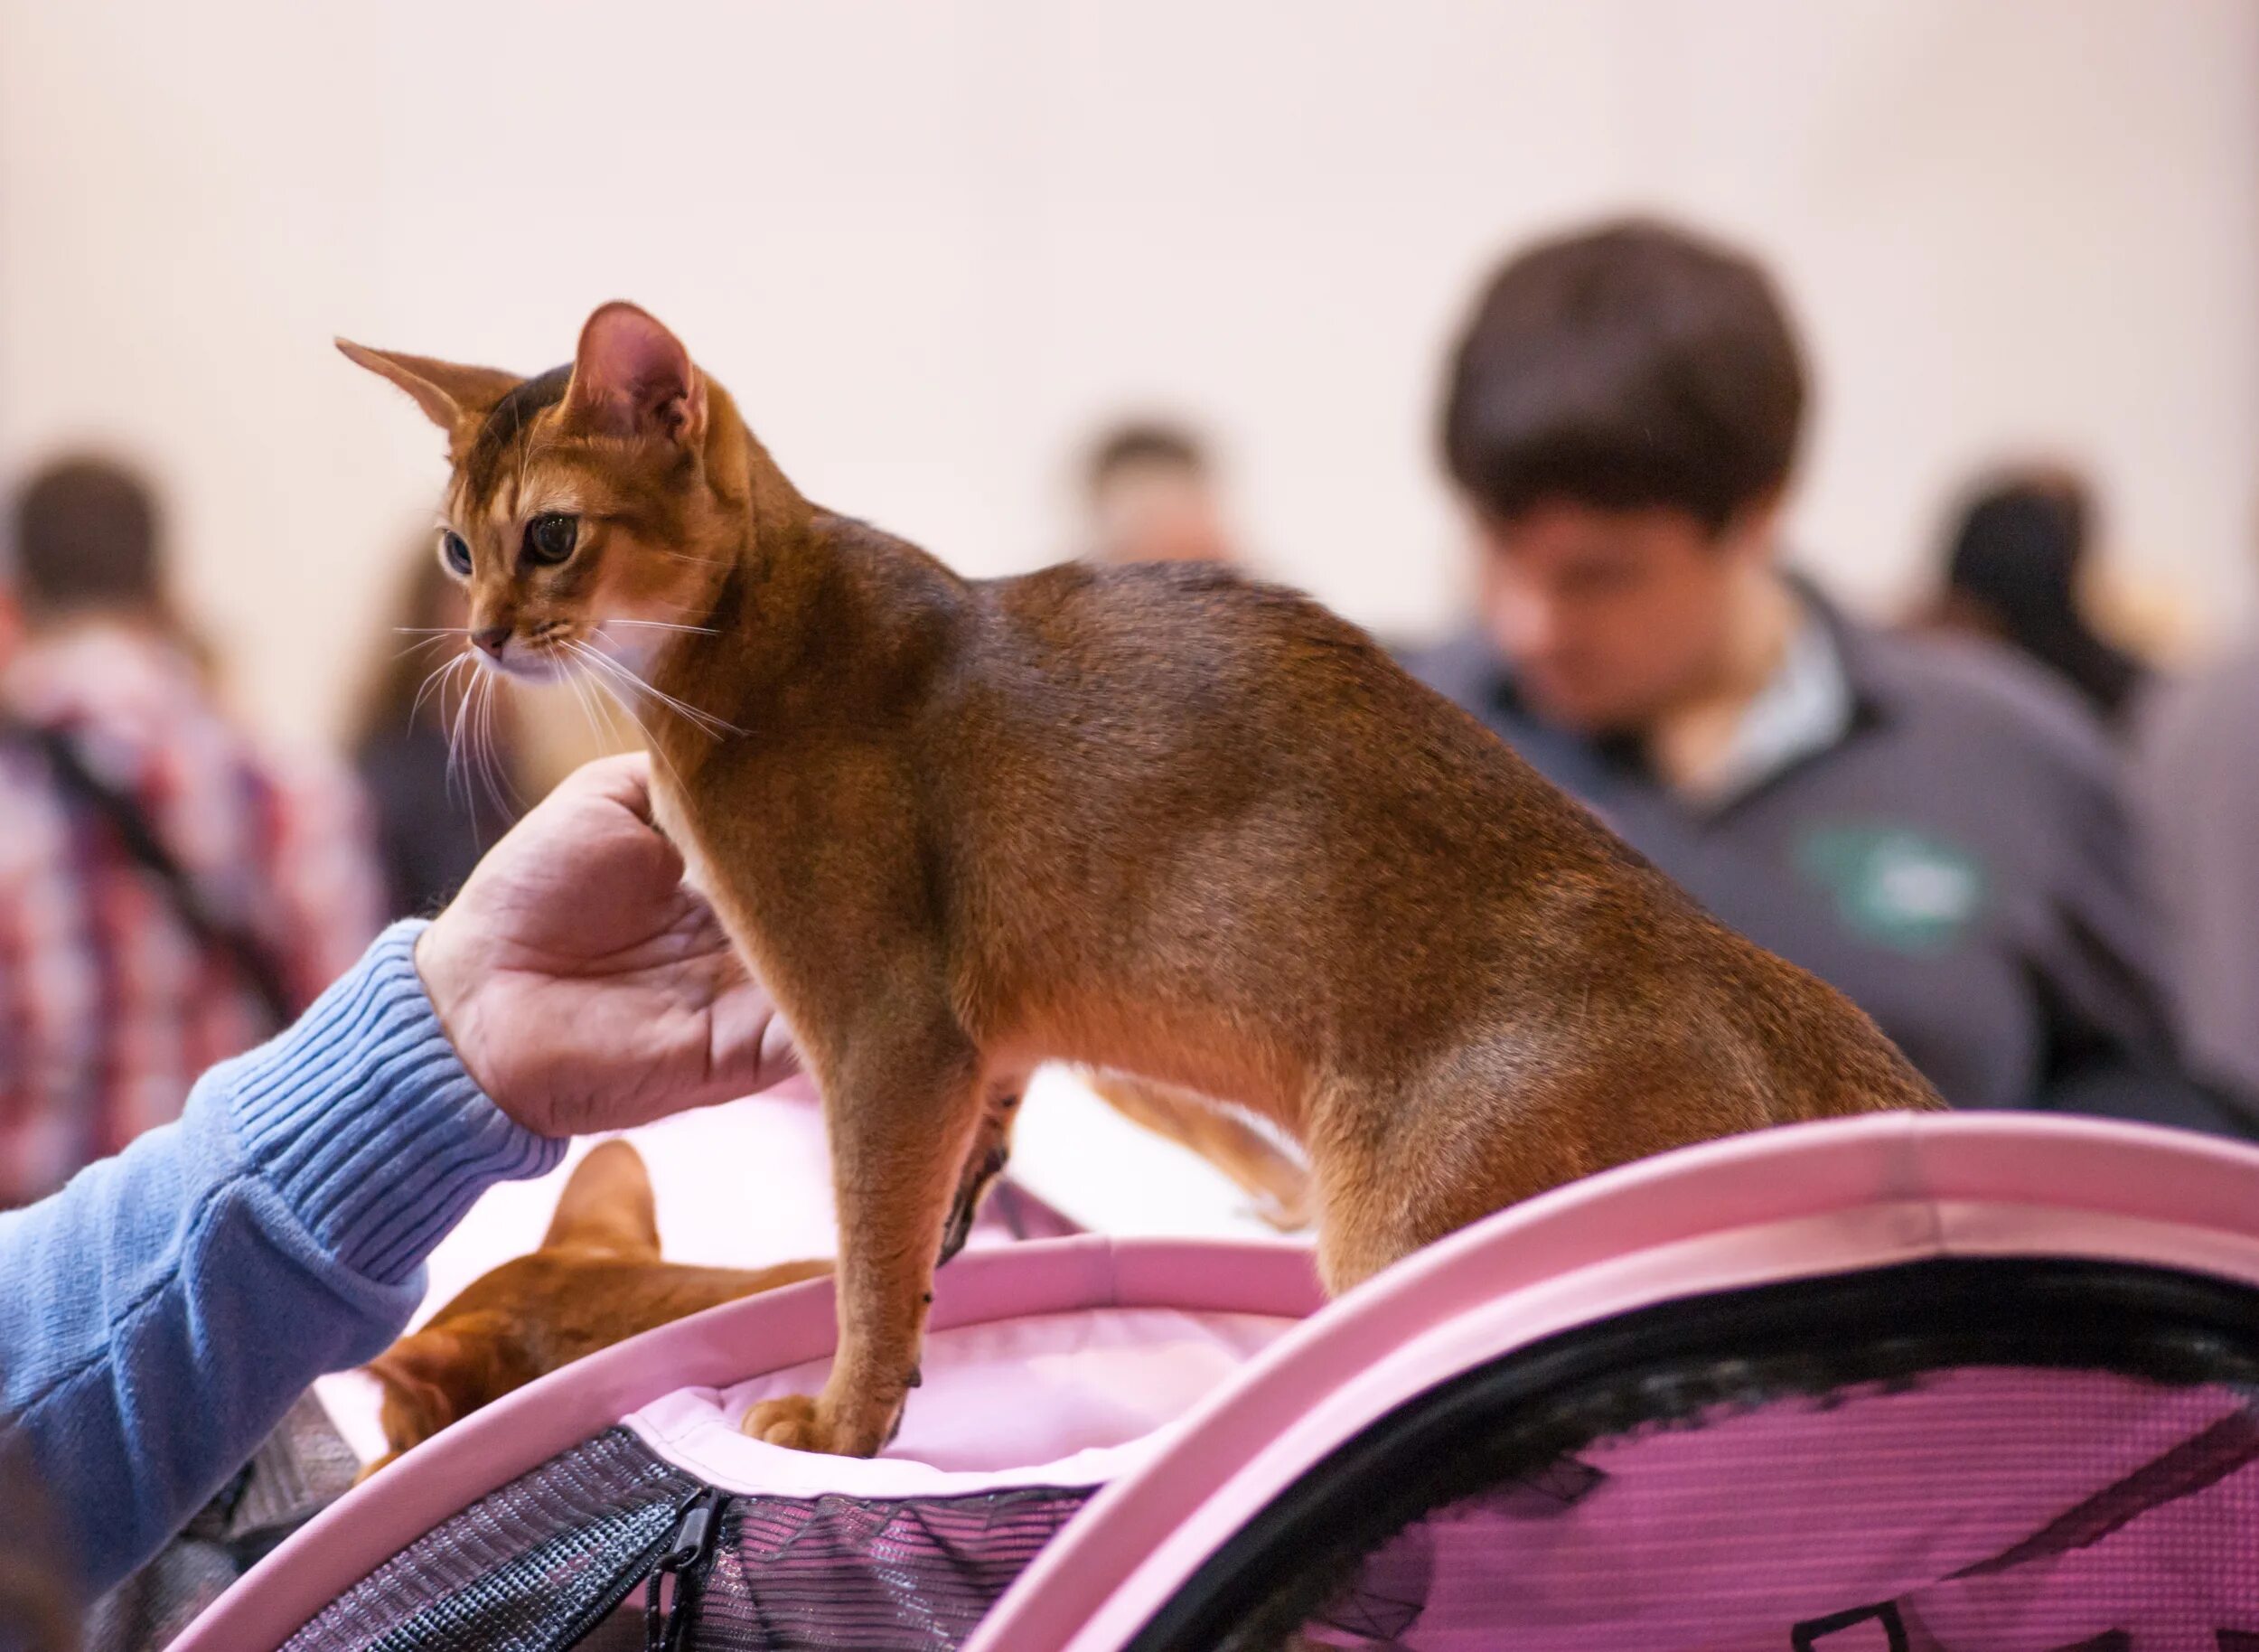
<point x="730" y="855"/>
<point x="673" y="818"/>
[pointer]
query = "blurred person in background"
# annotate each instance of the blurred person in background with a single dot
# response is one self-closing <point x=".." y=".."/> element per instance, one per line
<point x="1935" y="828"/>
<point x="1151" y="494"/>
<point x="434" y="817"/>
<point x="2197" y="772"/>
<point x="165" y="1311"/>
<point x="169" y="892"/>
<point x="2014" y="573"/>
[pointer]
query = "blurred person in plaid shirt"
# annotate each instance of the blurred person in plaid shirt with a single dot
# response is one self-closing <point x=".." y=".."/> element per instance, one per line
<point x="171" y="890"/>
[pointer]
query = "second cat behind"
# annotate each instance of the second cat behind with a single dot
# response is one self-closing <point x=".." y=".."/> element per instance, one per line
<point x="596" y="1278"/>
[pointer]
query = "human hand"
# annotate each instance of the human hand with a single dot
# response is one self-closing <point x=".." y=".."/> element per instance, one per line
<point x="582" y="984"/>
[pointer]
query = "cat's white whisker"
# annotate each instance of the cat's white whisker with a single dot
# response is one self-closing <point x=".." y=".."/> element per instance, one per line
<point x="605" y="668"/>
<point x="417" y="647"/>
<point x="491" y="772"/>
<point x="458" y="758"/>
<point x="474" y="740"/>
<point x="481" y="697"/>
<point x="602" y="698"/>
<point x="705" y="721"/>
<point x="437" y="678"/>
<point x="713" y="726"/>
<point x="610" y="707"/>
<point x="583" y="697"/>
<point x="702" y="631"/>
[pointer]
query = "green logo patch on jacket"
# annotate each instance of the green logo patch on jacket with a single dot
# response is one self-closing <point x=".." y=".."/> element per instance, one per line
<point x="1895" y="886"/>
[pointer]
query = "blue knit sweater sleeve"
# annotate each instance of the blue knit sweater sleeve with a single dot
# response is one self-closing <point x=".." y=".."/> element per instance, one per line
<point x="159" y="1315"/>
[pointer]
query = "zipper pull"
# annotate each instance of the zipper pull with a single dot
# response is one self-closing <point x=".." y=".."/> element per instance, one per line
<point x="689" y="1557"/>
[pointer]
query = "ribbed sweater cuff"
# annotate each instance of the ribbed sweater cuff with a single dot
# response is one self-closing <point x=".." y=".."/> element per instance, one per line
<point x="362" y="1118"/>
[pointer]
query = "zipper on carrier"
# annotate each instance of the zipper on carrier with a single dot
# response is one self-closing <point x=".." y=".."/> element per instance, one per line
<point x="689" y="1557"/>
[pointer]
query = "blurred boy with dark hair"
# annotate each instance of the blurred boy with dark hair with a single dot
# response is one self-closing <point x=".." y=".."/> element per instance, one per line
<point x="1150" y="491"/>
<point x="170" y="893"/>
<point x="1933" y="828"/>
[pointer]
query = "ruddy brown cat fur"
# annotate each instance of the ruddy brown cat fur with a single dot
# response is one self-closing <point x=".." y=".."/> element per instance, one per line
<point x="1161" y="821"/>
<point x="596" y="1280"/>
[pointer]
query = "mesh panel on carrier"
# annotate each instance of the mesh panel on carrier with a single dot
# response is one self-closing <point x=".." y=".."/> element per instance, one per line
<point x="531" y="1566"/>
<point x="913" y="1575"/>
<point x="1947" y="1457"/>
<point x="550" y="1561"/>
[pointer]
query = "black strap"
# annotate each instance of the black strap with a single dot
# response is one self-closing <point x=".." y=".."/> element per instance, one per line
<point x="252" y="961"/>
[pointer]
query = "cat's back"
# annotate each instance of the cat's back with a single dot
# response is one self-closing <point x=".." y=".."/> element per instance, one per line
<point x="1251" y="783"/>
<point x="1162" y="672"/>
<point x="1176" y="617"/>
<point x="1214" y="646"/>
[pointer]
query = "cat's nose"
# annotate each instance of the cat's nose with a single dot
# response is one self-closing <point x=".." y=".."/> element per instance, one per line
<point x="492" y="638"/>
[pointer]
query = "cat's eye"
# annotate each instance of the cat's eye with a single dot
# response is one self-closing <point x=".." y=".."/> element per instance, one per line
<point x="456" y="551"/>
<point x="550" y="538"/>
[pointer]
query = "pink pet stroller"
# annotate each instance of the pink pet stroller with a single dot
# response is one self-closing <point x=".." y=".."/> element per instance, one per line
<point x="1975" y="1383"/>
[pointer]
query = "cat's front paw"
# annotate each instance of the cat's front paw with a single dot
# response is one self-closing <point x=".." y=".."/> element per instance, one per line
<point x="791" y="1422"/>
<point x="803" y="1424"/>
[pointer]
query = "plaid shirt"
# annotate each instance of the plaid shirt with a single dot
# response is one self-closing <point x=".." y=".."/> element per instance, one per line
<point x="109" y="1007"/>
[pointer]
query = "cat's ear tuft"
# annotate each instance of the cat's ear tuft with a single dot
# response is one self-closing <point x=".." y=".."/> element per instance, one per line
<point x="631" y="377"/>
<point x="421" y="1376"/>
<point x="607" y="1206"/>
<point x="452" y="395"/>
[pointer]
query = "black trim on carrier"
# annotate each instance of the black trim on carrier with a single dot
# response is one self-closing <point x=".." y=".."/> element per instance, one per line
<point x="1522" y="1416"/>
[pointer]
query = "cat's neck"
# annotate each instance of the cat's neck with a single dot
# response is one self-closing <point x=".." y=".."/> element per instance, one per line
<point x="813" y="614"/>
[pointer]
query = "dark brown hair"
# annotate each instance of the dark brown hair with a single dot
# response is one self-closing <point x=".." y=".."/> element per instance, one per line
<point x="1622" y="367"/>
<point x="89" y="535"/>
<point x="2013" y="570"/>
<point x="1146" y="442"/>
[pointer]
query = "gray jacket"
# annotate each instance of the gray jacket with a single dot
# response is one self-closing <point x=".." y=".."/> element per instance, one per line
<point x="1954" y="857"/>
<point x="2198" y="787"/>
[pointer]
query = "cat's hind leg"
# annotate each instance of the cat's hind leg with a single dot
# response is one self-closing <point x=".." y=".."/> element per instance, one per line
<point x="1278" y="1182"/>
<point x="991" y="1151"/>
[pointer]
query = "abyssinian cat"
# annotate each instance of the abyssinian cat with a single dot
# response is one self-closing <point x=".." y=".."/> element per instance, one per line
<point x="598" y="1279"/>
<point x="1161" y="821"/>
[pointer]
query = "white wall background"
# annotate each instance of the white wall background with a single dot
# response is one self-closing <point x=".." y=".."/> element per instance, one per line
<point x="929" y="244"/>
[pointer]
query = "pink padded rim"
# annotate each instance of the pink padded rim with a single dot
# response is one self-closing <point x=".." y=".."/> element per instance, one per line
<point x="715" y="1349"/>
<point x="1782" y="1204"/>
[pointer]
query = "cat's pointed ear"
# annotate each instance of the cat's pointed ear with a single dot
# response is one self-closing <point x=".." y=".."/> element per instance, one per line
<point x="607" y="1206"/>
<point x="444" y="1372"/>
<point x="631" y="377"/>
<point x="451" y="395"/>
<point x="420" y="1366"/>
<point x="427" y="1382"/>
